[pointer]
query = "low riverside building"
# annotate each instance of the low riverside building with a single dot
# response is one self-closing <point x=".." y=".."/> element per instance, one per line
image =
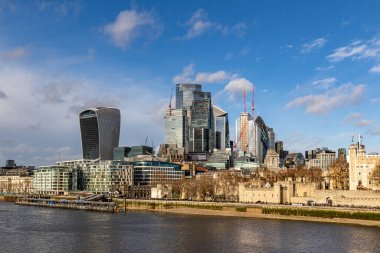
<point x="55" y="180"/>
<point x="109" y="176"/>
<point x="361" y="166"/>
<point x="100" y="176"/>
<point x="17" y="180"/>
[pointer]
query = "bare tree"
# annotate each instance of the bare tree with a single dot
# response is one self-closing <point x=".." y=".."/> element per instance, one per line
<point x="375" y="177"/>
<point x="339" y="175"/>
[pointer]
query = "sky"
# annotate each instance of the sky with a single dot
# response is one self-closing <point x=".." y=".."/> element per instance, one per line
<point x="315" y="66"/>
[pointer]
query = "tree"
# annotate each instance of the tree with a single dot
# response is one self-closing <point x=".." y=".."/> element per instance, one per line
<point x="339" y="175"/>
<point x="375" y="177"/>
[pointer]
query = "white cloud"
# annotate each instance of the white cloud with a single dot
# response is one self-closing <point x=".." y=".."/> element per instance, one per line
<point x="330" y="67"/>
<point x="240" y="29"/>
<point x="42" y="111"/>
<point x="344" y="95"/>
<point x="199" y="23"/>
<point x="188" y="75"/>
<point x="324" y="83"/>
<point x="357" y="50"/>
<point x="313" y="45"/>
<point x="216" y="77"/>
<point x="236" y="87"/>
<point x="358" y="120"/>
<point x="16" y="53"/>
<point x="375" y="69"/>
<point x="63" y="8"/>
<point x="129" y="25"/>
<point x="7" y="5"/>
<point x="375" y="131"/>
<point x="299" y="141"/>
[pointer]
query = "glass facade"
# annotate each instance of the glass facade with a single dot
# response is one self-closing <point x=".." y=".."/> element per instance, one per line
<point x="152" y="173"/>
<point x="221" y="124"/>
<point x="109" y="176"/>
<point x="201" y="125"/>
<point x="100" y="130"/>
<point x="200" y="130"/>
<point x="272" y="137"/>
<point x="176" y="129"/>
<point x="262" y="139"/>
<point x="186" y="93"/>
<point x="120" y="152"/>
<point x="55" y="180"/>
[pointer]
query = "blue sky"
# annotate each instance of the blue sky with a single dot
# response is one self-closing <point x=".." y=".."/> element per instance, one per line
<point x="315" y="67"/>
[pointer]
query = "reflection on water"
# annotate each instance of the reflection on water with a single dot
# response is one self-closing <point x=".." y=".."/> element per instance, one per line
<point x="32" y="229"/>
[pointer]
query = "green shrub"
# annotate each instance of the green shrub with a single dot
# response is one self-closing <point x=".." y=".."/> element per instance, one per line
<point x="321" y="213"/>
<point x="241" y="209"/>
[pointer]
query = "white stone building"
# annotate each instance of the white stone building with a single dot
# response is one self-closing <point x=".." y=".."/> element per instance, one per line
<point x="360" y="167"/>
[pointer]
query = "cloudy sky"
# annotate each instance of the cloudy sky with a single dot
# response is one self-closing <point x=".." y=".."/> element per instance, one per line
<point x="315" y="67"/>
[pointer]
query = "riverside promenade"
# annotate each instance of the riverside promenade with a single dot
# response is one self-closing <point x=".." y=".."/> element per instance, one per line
<point x="327" y="214"/>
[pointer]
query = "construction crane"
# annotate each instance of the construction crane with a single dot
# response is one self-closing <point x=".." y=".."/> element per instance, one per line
<point x="253" y="121"/>
<point x="170" y="102"/>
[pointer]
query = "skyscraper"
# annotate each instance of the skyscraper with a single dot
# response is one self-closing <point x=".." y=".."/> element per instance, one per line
<point x="221" y="125"/>
<point x="176" y="128"/>
<point x="186" y="93"/>
<point x="261" y="139"/>
<point x="244" y="132"/>
<point x="272" y="137"/>
<point x="100" y="130"/>
<point x="201" y="126"/>
<point x="197" y="104"/>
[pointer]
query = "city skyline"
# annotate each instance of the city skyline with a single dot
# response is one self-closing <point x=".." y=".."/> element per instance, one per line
<point x="314" y="67"/>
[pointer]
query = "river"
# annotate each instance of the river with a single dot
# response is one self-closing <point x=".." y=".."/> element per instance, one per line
<point x="38" y="229"/>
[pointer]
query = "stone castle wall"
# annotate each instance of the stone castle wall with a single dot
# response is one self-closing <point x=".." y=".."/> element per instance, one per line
<point x="305" y="193"/>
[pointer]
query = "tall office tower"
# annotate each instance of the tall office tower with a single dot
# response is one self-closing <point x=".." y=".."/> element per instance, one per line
<point x="279" y="147"/>
<point x="342" y="154"/>
<point x="197" y="104"/>
<point x="272" y="137"/>
<point x="221" y="125"/>
<point x="262" y="139"/>
<point x="100" y="130"/>
<point x="243" y="132"/>
<point x="201" y="126"/>
<point x="176" y="127"/>
<point x="186" y="93"/>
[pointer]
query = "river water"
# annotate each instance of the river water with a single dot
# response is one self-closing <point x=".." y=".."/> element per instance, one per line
<point x="38" y="229"/>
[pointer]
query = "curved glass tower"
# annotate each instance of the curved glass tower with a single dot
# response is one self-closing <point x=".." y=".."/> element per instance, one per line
<point x="100" y="130"/>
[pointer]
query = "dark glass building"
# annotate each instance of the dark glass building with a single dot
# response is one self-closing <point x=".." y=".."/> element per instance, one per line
<point x="100" y="130"/>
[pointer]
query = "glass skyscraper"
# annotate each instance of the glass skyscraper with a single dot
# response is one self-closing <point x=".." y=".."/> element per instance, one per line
<point x="100" y="130"/>
<point x="221" y="125"/>
<point x="176" y="128"/>
<point x="199" y="129"/>
<point x="186" y="93"/>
